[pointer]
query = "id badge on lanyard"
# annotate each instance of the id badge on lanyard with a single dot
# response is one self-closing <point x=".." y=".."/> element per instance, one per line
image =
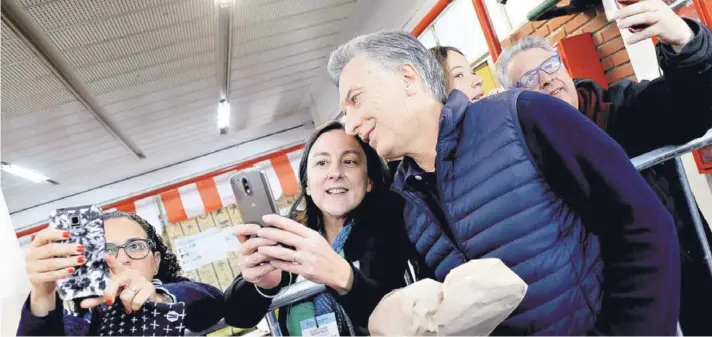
<point x="324" y="325"/>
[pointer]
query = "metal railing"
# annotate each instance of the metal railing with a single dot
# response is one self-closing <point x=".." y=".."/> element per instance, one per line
<point x="292" y="294"/>
<point x="666" y="153"/>
<point x="305" y="289"/>
<point x="295" y="293"/>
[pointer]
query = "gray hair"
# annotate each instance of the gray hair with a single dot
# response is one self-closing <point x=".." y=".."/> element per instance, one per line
<point x="387" y="50"/>
<point x="523" y="44"/>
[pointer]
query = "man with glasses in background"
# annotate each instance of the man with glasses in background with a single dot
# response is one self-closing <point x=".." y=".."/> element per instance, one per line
<point x="672" y="109"/>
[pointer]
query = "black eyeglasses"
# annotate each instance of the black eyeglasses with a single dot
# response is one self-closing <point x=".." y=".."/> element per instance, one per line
<point x="531" y="77"/>
<point x="136" y="249"/>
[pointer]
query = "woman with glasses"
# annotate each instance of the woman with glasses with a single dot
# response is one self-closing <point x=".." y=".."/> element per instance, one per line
<point x="143" y="272"/>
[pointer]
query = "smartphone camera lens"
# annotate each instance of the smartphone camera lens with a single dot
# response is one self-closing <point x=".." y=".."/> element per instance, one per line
<point x="75" y="220"/>
<point x="246" y="186"/>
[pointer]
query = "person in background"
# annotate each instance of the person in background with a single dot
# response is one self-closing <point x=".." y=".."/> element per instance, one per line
<point x="670" y="110"/>
<point x="521" y="178"/>
<point x="142" y="270"/>
<point x="459" y="74"/>
<point x="349" y="237"/>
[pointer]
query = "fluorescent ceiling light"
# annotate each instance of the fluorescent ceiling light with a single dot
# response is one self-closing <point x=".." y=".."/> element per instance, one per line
<point x="223" y="115"/>
<point x="224" y="3"/>
<point x="22" y="172"/>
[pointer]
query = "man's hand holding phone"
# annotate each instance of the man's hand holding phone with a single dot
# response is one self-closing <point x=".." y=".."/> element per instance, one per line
<point x="254" y="266"/>
<point x="651" y="18"/>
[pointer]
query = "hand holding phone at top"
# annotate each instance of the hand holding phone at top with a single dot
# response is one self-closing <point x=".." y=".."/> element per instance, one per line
<point x="653" y="18"/>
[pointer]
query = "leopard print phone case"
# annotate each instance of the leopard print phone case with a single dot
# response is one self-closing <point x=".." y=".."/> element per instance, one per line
<point x="85" y="225"/>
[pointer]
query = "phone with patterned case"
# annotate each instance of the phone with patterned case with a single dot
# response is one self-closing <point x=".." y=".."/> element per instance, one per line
<point x="85" y="225"/>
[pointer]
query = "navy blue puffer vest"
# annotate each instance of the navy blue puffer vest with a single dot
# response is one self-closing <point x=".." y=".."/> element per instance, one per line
<point x="498" y="204"/>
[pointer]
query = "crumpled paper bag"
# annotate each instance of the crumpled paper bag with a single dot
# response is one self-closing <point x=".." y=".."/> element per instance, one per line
<point x="475" y="298"/>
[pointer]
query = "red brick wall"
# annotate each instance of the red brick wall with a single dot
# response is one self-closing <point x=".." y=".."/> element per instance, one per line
<point x="609" y="44"/>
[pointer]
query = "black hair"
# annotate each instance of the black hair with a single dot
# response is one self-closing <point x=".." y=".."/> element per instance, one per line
<point x="168" y="270"/>
<point x="377" y="172"/>
<point x="440" y="53"/>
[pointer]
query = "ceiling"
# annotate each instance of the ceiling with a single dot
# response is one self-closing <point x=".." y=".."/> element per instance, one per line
<point x="152" y="66"/>
<point x="98" y="91"/>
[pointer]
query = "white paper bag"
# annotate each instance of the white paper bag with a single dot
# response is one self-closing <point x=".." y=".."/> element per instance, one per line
<point x="473" y="300"/>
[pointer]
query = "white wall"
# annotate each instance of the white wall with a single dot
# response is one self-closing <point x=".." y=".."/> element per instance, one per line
<point x="15" y="285"/>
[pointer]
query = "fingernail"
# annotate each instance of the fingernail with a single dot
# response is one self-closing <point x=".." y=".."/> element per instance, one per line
<point x="109" y="302"/>
<point x="80" y="259"/>
<point x="80" y="249"/>
<point x="65" y="235"/>
<point x="70" y="270"/>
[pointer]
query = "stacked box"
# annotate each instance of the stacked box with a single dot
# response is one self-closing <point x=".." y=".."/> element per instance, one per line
<point x="221" y="273"/>
<point x="172" y="232"/>
<point x="234" y="215"/>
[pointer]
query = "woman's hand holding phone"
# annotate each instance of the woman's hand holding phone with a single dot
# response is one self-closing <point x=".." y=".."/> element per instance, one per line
<point x="255" y="266"/>
<point x="651" y="18"/>
<point x="312" y="256"/>
<point x="47" y="261"/>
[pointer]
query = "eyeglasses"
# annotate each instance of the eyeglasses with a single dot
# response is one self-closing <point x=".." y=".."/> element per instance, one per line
<point x="531" y="77"/>
<point x="136" y="249"/>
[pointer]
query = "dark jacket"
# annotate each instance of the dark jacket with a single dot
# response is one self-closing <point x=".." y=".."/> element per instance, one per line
<point x="378" y="244"/>
<point x="670" y="110"/>
<point x="569" y="215"/>
<point x="203" y="304"/>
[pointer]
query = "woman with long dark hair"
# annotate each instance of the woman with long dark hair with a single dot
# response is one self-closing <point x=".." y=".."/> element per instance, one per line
<point x="143" y="272"/>
<point x="345" y="231"/>
<point x="459" y="74"/>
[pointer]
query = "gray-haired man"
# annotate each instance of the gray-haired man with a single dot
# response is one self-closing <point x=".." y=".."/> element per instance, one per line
<point x="520" y="177"/>
<point x="673" y="109"/>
